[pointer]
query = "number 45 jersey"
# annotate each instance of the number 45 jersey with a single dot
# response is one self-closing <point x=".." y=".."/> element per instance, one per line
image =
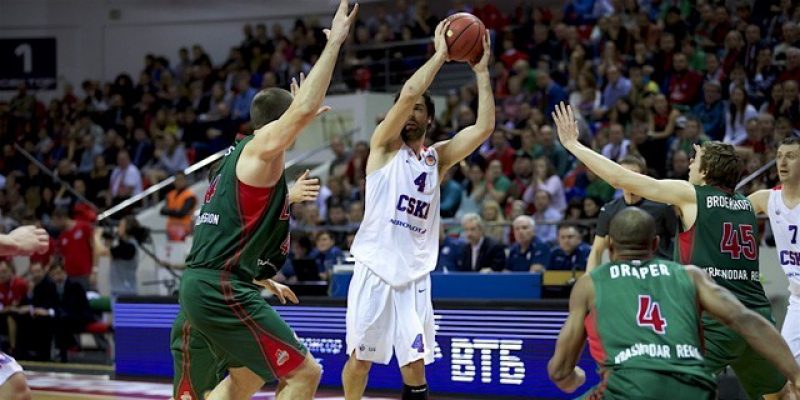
<point x="724" y="243"/>
<point x="399" y="237"/>
<point x="646" y="316"/>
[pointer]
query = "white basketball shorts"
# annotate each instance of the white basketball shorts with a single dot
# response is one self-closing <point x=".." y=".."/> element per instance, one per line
<point x="382" y="319"/>
<point x="8" y="367"/>
<point x="791" y="326"/>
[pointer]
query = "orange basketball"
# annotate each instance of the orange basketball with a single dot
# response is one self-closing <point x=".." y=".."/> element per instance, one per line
<point x="465" y="37"/>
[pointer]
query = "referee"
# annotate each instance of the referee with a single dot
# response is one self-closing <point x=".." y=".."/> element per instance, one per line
<point x="666" y="220"/>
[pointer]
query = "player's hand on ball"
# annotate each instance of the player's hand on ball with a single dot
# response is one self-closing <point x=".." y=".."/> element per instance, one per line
<point x="282" y="292"/>
<point x="440" y="39"/>
<point x="566" y="125"/>
<point x="304" y="189"/>
<point x="483" y="64"/>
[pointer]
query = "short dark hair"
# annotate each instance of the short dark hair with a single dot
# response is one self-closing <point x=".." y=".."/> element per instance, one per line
<point x="429" y="106"/>
<point x="268" y="105"/>
<point x="636" y="160"/>
<point x="632" y="228"/>
<point x="788" y="141"/>
<point x="721" y="164"/>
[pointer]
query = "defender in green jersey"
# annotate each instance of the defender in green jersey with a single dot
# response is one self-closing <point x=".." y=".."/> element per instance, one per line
<point x="642" y="318"/>
<point x="240" y="241"/>
<point x="718" y="235"/>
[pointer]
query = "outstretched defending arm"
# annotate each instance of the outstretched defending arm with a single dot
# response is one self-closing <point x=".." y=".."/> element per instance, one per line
<point x="755" y="329"/>
<point x="563" y="368"/>
<point x="469" y="138"/>
<point x="387" y="133"/>
<point x="675" y="192"/>
<point x="272" y="139"/>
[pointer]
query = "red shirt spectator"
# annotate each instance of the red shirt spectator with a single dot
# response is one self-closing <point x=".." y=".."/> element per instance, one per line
<point x="75" y="244"/>
<point x="12" y="288"/>
<point x="684" y="84"/>
<point x="492" y="17"/>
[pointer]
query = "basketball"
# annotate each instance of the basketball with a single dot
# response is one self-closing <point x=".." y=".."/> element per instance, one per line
<point x="465" y="37"/>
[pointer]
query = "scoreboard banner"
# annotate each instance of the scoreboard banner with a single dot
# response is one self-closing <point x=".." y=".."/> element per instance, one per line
<point x="480" y="351"/>
<point x="28" y="60"/>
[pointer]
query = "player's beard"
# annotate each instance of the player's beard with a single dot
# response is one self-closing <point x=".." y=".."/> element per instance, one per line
<point x="410" y="134"/>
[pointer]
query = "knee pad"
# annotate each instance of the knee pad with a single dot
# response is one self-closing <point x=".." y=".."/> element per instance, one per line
<point x="415" y="392"/>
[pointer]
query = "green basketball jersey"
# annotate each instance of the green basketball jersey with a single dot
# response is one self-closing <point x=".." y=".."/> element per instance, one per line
<point x="221" y="238"/>
<point x="646" y="316"/>
<point x="724" y="242"/>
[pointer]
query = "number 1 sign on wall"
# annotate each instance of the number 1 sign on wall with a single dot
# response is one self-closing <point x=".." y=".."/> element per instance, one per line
<point x="31" y="61"/>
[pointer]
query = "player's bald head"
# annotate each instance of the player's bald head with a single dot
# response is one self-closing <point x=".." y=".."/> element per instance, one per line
<point x="632" y="228"/>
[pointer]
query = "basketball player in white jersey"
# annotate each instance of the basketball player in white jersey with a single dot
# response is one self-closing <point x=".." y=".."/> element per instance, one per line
<point x="389" y="306"/>
<point x="782" y="205"/>
<point x="23" y="241"/>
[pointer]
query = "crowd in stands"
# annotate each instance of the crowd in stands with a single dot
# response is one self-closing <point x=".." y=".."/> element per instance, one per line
<point x="647" y="78"/>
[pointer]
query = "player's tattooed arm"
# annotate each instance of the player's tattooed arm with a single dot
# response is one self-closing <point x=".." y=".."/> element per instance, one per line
<point x="563" y="368"/>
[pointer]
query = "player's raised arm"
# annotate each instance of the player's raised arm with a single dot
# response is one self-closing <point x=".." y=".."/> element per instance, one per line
<point x="469" y="138"/>
<point x="755" y="329"/>
<point x="668" y="191"/>
<point x="562" y="368"/>
<point x="387" y="133"/>
<point x="759" y="199"/>
<point x="272" y="139"/>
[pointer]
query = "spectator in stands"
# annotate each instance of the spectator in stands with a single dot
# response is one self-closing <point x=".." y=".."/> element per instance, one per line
<point x="451" y="252"/>
<point x="482" y="254"/>
<point x="546" y="216"/>
<point x="571" y="253"/>
<point x="683" y="84"/>
<point x="494" y="221"/>
<point x="680" y="166"/>
<point x="451" y="193"/>
<point x="529" y="253"/>
<point x="121" y="246"/>
<point x="616" y="87"/>
<point x="522" y="174"/>
<point x="711" y="111"/>
<point x="617" y="146"/>
<point x="98" y="181"/>
<point x="548" y="145"/>
<point x="13" y="291"/>
<point x="179" y="209"/>
<point x="355" y="214"/>
<point x="35" y="316"/>
<point x="72" y="312"/>
<point x="552" y="92"/>
<point x="739" y="112"/>
<point x="496" y="183"/>
<point x="545" y="179"/>
<point x="326" y="254"/>
<point x="75" y="244"/>
<point x="21" y="110"/>
<point x="337" y="219"/>
<point x="340" y="157"/>
<point x="501" y="151"/>
<point x="126" y="180"/>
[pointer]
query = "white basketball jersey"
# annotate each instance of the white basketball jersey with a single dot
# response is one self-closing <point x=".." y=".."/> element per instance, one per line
<point x="399" y="237"/>
<point x="784" y="222"/>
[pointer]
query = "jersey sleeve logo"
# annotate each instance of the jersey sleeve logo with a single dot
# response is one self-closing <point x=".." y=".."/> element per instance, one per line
<point x="430" y="160"/>
<point x="212" y="189"/>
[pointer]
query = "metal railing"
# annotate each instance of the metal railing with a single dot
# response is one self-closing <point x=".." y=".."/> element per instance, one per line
<point x="201" y="165"/>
